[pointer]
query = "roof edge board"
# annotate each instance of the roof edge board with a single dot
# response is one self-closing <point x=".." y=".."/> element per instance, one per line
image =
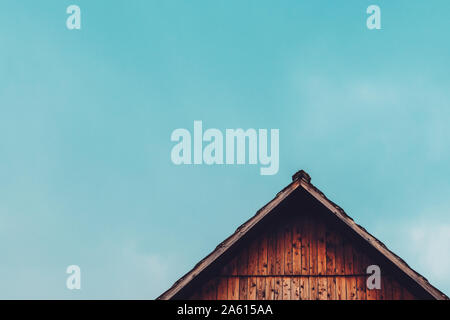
<point x="228" y="242"/>
<point x="373" y="241"/>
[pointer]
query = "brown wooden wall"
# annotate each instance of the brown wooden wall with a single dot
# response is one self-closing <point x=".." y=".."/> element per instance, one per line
<point x="304" y="259"/>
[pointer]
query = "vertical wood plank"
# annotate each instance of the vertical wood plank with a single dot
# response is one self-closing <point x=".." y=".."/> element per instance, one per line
<point x="262" y="255"/>
<point x="358" y="269"/>
<point x="296" y="258"/>
<point x="313" y="270"/>
<point x="287" y="249"/>
<point x="371" y="294"/>
<point x="253" y="257"/>
<point x="341" y="293"/>
<point x="331" y="262"/>
<point x="295" y="288"/>
<point x="397" y="293"/>
<point x="243" y="288"/>
<point x="270" y="288"/>
<point x="322" y="285"/>
<point x="233" y="281"/>
<point x="271" y="264"/>
<point x="272" y="252"/>
<point x="286" y="281"/>
<point x="304" y="245"/>
<point x="262" y="267"/>
<point x="261" y="288"/>
<point x="252" y="269"/>
<point x="243" y="271"/>
<point x="278" y="289"/>
<point x="386" y="287"/>
<point x="379" y="292"/>
<point x="296" y="247"/>
<point x="304" y="281"/>
<point x="279" y="265"/>
<point x="242" y="264"/>
<point x="222" y="288"/>
<point x="304" y="288"/>
<point x="251" y="293"/>
<point x="350" y="280"/>
<point x="210" y="290"/>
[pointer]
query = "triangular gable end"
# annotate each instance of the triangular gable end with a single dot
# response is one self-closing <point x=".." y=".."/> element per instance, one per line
<point x="300" y="246"/>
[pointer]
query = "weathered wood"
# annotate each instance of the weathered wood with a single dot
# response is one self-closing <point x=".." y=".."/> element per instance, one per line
<point x="262" y="267"/>
<point x="295" y="288"/>
<point x="304" y="259"/>
<point x="251" y="294"/>
<point x="270" y="288"/>
<point x="358" y="269"/>
<point x="304" y="245"/>
<point x="262" y="255"/>
<point x="371" y="294"/>
<point x="350" y="280"/>
<point x="287" y="249"/>
<point x="242" y="270"/>
<point x="261" y="288"/>
<point x="222" y="288"/>
<point x="304" y="288"/>
<point x="296" y="247"/>
<point x="341" y="292"/>
<point x="210" y="293"/>
<point x="304" y="281"/>
<point x="272" y="252"/>
<point x="341" y="268"/>
<point x="243" y="288"/>
<point x="279" y="254"/>
<point x="242" y="262"/>
<point x="311" y="234"/>
<point x="233" y="282"/>
<point x="253" y="258"/>
<point x="278" y="289"/>
<point x="397" y="292"/>
<point x="286" y="281"/>
<point x="386" y="287"/>
<point x="330" y="245"/>
<point x="322" y="286"/>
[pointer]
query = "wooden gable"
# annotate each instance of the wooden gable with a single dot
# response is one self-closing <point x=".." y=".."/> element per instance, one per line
<point x="294" y="249"/>
<point x="302" y="257"/>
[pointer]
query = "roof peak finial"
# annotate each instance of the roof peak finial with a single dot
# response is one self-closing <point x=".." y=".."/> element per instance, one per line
<point x="302" y="174"/>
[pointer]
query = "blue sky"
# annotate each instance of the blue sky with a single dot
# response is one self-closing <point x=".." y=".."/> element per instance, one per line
<point x="86" y="117"/>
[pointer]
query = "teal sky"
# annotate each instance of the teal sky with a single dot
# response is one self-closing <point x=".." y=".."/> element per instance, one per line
<point x="86" y="117"/>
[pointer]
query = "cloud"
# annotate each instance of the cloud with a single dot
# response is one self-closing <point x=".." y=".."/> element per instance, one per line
<point x="424" y="244"/>
<point x="432" y="244"/>
<point x="125" y="271"/>
<point x="117" y="270"/>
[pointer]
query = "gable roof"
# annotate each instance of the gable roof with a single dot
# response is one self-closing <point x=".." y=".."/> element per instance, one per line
<point x="301" y="180"/>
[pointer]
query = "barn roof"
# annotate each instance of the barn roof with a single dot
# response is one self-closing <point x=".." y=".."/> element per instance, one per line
<point x="302" y="180"/>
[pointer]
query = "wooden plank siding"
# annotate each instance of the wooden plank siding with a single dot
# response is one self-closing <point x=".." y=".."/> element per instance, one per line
<point x="305" y="258"/>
